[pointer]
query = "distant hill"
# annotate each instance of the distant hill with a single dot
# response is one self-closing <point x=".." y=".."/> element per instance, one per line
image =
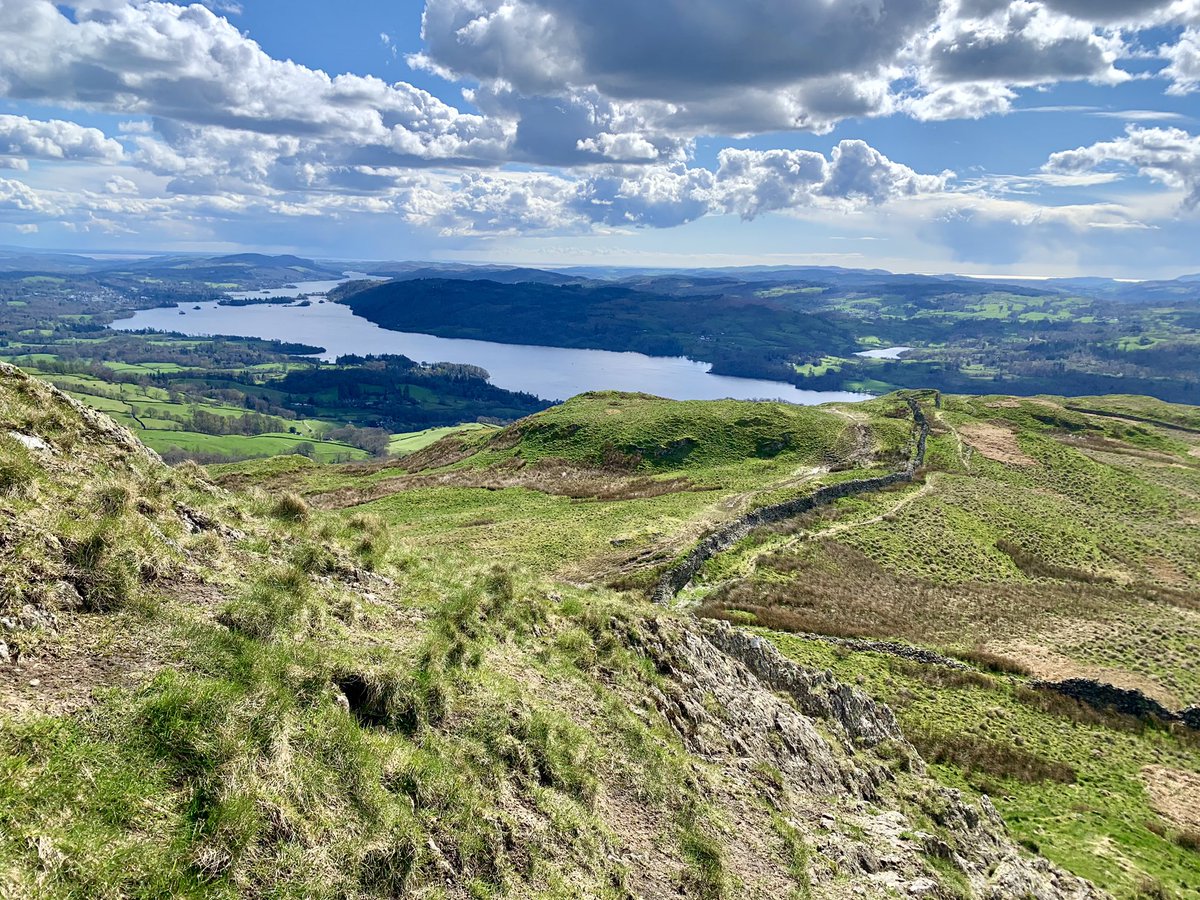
<point x="735" y="334"/>
<point x="499" y="274"/>
<point x="244" y="270"/>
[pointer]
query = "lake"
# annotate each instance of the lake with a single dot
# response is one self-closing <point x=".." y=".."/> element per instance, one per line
<point x="552" y="373"/>
<point x="884" y="353"/>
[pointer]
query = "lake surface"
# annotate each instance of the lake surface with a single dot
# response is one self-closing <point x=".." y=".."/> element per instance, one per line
<point x="552" y="373"/>
<point x="884" y="353"/>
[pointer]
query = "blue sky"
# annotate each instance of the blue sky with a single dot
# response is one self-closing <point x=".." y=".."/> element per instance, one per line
<point x="1022" y="137"/>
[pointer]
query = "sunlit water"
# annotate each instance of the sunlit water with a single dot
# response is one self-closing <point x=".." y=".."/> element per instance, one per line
<point x="884" y="353"/>
<point x="553" y="373"/>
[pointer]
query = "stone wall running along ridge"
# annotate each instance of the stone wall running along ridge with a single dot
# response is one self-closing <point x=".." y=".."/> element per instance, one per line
<point x="676" y="578"/>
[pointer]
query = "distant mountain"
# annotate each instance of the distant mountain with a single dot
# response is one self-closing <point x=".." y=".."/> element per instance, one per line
<point x="498" y="274"/>
<point x="49" y="263"/>
<point x="243" y="270"/>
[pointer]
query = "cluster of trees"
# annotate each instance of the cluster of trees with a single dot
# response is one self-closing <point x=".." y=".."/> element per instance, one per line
<point x="739" y="335"/>
<point x="373" y="440"/>
<point x="394" y="393"/>
<point x="249" y="423"/>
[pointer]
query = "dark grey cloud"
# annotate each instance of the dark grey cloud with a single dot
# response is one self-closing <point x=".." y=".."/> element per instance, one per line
<point x="669" y="49"/>
<point x="1017" y="59"/>
<point x="1108" y="10"/>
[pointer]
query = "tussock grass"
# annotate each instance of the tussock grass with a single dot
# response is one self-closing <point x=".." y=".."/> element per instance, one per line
<point x="106" y="574"/>
<point x="290" y="507"/>
<point x="973" y="755"/>
<point x="19" y="469"/>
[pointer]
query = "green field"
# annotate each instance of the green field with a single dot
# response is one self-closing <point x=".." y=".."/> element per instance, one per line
<point x="410" y="442"/>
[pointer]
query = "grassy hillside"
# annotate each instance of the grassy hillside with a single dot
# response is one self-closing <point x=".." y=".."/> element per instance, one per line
<point x="438" y="675"/>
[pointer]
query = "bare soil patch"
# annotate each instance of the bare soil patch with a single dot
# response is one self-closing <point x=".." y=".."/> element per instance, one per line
<point x="1173" y="794"/>
<point x="89" y="653"/>
<point x="996" y="443"/>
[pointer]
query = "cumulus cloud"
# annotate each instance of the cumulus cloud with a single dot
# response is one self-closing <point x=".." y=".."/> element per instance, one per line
<point x="1125" y="11"/>
<point x="1018" y="43"/>
<point x="1183" y="63"/>
<point x="22" y="139"/>
<point x="19" y="202"/>
<point x="747" y="183"/>
<point x="669" y="50"/>
<point x="685" y="66"/>
<point x="1170" y="156"/>
<point x="605" y="101"/>
<point x="185" y="63"/>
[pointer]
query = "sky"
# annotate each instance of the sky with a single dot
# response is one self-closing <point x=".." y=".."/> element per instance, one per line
<point x="1000" y="137"/>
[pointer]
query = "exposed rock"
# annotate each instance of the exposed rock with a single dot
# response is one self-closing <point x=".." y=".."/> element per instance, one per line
<point x="35" y="617"/>
<point x="196" y="521"/>
<point x="739" y="703"/>
<point x="817" y="694"/>
<point x="31" y="442"/>
<point x="99" y="428"/>
<point x="64" y="596"/>
<point x="4" y="654"/>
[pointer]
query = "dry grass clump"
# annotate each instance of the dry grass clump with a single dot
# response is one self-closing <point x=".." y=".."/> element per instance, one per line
<point x="976" y="755"/>
<point x="993" y="662"/>
<point x="290" y="507"/>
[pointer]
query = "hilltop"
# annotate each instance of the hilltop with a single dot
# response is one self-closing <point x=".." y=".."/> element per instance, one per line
<point x="442" y="675"/>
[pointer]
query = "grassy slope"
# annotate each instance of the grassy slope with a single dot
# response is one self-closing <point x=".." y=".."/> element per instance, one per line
<point x="1096" y="823"/>
<point x="195" y="748"/>
<point x="151" y="413"/>
<point x="1071" y="552"/>
<point x="1077" y="561"/>
<point x="412" y="441"/>
<point x="249" y="776"/>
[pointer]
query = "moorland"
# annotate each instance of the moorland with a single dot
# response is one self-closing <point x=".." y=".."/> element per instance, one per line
<point x="431" y="662"/>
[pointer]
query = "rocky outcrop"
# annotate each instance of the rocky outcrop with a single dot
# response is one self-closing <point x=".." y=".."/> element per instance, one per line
<point x="97" y="429"/>
<point x="676" y="578"/>
<point x="847" y="776"/>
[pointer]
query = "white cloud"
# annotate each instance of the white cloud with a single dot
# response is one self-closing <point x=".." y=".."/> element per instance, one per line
<point x="960" y="101"/>
<point x="1183" y="63"/>
<point x="191" y="66"/>
<point x="24" y="139"/>
<point x="607" y="100"/>
<point x="118" y="184"/>
<point x="747" y="183"/>
<point x="1170" y="156"/>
